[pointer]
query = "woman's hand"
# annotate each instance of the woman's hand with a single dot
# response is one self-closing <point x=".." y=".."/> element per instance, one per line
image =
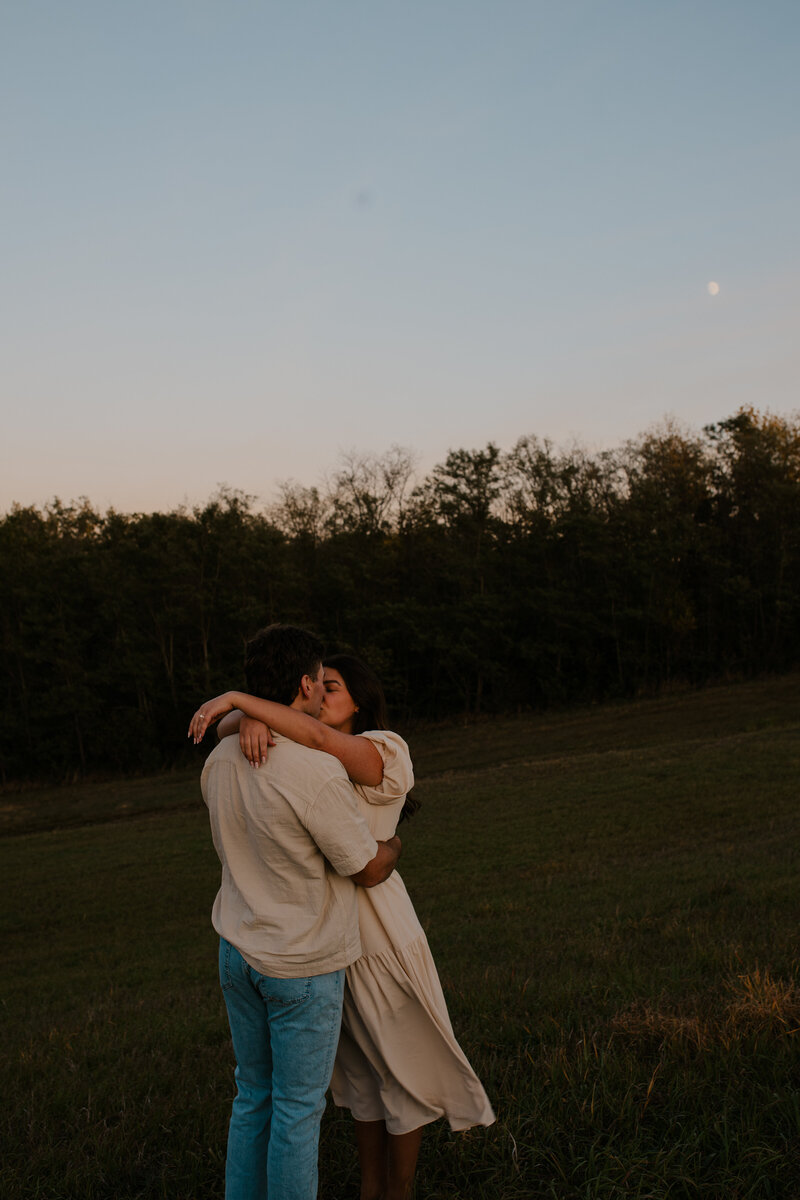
<point x="255" y="739"/>
<point x="208" y="713"/>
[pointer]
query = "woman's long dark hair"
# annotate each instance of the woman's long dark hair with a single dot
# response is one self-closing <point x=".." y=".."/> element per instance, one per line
<point x="367" y="691"/>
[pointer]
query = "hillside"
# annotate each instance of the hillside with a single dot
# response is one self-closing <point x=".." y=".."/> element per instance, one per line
<point x="611" y="896"/>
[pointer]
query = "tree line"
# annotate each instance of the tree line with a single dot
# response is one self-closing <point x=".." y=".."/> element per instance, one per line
<point x="500" y="581"/>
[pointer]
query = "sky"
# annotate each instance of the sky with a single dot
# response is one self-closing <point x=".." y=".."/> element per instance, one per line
<point x="241" y="238"/>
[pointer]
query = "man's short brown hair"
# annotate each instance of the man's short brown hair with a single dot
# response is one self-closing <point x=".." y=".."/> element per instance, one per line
<point x="277" y="658"/>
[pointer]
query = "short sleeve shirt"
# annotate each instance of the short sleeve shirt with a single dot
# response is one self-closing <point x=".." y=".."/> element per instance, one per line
<point x="287" y="835"/>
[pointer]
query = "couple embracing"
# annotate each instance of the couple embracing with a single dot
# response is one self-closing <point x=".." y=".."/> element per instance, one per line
<point x="326" y="972"/>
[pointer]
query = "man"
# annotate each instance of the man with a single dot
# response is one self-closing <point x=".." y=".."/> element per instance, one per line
<point x="292" y="844"/>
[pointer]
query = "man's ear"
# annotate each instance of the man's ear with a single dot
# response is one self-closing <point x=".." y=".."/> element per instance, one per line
<point x="306" y="687"/>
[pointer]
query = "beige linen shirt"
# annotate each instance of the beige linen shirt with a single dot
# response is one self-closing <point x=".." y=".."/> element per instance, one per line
<point x="287" y="835"/>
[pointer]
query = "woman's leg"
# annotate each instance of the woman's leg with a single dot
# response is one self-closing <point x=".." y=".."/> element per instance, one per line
<point x="403" y="1152"/>
<point x="373" y="1157"/>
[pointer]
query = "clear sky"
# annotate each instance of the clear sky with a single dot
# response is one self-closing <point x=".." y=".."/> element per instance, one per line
<point x="242" y="236"/>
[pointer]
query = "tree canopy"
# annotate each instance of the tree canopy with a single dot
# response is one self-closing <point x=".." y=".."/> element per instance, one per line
<point x="502" y="580"/>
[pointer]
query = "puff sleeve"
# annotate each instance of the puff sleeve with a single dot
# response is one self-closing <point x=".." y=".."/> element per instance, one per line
<point x="398" y="773"/>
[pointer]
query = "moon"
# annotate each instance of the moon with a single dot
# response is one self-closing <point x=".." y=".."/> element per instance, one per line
<point x="713" y="288"/>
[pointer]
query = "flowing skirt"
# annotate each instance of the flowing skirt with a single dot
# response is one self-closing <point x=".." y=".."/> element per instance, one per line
<point x="398" y="1059"/>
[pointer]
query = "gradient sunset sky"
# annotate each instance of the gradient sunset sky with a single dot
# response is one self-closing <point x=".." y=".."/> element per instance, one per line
<point x="240" y="237"/>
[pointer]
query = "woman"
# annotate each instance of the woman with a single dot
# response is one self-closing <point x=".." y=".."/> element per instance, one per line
<point x="398" y="1066"/>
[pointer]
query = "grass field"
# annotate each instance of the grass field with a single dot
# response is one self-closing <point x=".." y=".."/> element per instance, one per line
<point x="611" y="896"/>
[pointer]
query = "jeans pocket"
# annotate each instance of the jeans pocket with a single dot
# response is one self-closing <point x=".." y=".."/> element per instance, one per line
<point x="285" y="991"/>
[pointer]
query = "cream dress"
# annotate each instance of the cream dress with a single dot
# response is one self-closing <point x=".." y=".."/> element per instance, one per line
<point x="398" y="1059"/>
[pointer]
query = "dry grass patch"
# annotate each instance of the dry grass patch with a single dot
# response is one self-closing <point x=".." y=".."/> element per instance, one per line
<point x="759" y="1001"/>
<point x="747" y="1005"/>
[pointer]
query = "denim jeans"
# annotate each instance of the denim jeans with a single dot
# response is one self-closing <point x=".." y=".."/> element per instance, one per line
<point x="285" y="1033"/>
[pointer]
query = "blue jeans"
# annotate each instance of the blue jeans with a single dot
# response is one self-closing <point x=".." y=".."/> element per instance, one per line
<point x="285" y="1033"/>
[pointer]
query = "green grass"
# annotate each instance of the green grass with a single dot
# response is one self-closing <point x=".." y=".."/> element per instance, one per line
<point x="612" y="900"/>
<point x="34" y="809"/>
